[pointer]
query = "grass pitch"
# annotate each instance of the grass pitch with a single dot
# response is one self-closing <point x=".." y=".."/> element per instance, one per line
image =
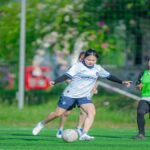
<point x="105" y="139"/>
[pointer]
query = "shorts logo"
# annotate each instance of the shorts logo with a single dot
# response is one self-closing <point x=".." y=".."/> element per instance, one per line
<point x="63" y="102"/>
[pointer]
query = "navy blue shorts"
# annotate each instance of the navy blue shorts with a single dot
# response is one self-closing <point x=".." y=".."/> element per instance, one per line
<point x="69" y="103"/>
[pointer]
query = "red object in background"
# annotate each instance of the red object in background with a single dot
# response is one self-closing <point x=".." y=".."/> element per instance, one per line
<point x="37" y="78"/>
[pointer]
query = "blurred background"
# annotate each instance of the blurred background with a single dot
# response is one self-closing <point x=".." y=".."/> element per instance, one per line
<point x="56" y="31"/>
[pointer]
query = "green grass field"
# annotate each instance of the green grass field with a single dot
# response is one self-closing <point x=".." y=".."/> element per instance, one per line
<point x="113" y="128"/>
<point x="106" y="139"/>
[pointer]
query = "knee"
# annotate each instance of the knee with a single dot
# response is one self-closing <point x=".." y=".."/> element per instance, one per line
<point x="94" y="113"/>
<point x="91" y="113"/>
<point x="82" y="112"/>
<point x="67" y="114"/>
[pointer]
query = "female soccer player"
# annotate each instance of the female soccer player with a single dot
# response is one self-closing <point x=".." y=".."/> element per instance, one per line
<point x="143" y="108"/>
<point x="82" y="115"/>
<point x="84" y="76"/>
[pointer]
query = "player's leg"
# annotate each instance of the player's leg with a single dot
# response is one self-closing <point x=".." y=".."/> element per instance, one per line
<point x="63" y="105"/>
<point x="63" y="118"/>
<point x="53" y="115"/>
<point x="89" y="108"/>
<point x="81" y="121"/>
<point x="143" y="108"/>
<point x="62" y="122"/>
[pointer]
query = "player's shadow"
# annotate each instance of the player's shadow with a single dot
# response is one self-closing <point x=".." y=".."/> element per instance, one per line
<point x="21" y="134"/>
<point x="27" y="137"/>
<point x="112" y="136"/>
<point x="23" y="138"/>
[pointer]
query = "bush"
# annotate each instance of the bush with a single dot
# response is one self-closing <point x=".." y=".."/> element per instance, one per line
<point x="112" y="101"/>
<point x="32" y="96"/>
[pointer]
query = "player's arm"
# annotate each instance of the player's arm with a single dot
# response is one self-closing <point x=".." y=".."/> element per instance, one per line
<point x="105" y="74"/>
<point x="94" y="90"/>
<point x="60" y="79"/>
<point x="67" y="76"/>
<point x="139" y="78"/>
<point x="139" y="85"/>
<point x="117" y="80"/>
<point x="114" y="79"/>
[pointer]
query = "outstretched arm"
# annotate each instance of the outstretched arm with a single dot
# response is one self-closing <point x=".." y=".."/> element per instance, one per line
<point x="139" y="78"/>
<point x="105" y="74"/>
<point x="115" y="79"/>
<point x="139" y="85"/>
<point x="60" y="79"/>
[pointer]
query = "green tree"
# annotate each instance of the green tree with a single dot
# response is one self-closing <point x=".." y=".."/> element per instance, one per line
<point x="60" y="24"/>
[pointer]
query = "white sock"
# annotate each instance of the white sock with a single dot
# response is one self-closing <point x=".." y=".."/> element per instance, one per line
<point x="42" y="122"/>
<point x="61" y="128"/>
<point x="79" y="128"/>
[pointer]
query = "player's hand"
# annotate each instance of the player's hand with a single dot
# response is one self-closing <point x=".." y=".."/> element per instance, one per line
<point x="94" y="90"/>
<point x="127" y="83"/>
<point x="51" y="83"/>
<point x="139" y="86"/>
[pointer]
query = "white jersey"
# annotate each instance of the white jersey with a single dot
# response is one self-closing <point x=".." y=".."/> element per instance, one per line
<point x="83" y="80"/>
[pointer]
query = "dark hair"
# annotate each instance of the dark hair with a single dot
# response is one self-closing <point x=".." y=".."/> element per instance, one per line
<point x="81" y="53"/>
<point x="91" y="52"/>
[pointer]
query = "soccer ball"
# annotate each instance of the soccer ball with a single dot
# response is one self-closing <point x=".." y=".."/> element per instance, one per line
<point x="70" y="135"/>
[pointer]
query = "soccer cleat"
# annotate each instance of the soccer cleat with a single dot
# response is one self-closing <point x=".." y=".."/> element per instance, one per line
<point x="79" y="131"/>
<point x="36" y="130"/>
<point x="86" y="137"/>
<point x="139" y="136"/>
<point x="59" y="133"/>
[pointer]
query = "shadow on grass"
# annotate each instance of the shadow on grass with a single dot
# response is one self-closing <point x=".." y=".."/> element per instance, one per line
<point x="26" y="137"/>
<point x="114" y="137"/>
